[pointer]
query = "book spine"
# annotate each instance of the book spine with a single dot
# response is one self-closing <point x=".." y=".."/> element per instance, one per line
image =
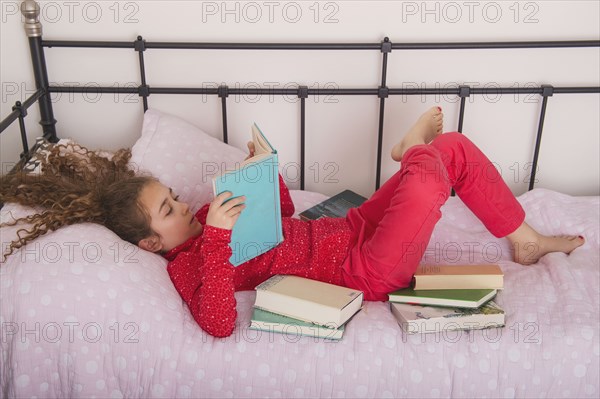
<point x="267" y="285"/>
<point x="458" y="282"/>
<point x="276" y="195"/>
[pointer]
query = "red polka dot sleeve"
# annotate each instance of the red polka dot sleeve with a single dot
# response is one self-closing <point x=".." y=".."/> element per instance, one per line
<point x="215" y="311"/>
<point x="204" y="277"/>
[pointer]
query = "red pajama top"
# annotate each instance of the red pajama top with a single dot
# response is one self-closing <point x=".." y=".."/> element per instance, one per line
<point x="206" y="280"/>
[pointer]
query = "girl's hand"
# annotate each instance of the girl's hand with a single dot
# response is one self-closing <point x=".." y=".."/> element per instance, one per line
<point x="223" y="214"/>
<point x="251" y="150"/>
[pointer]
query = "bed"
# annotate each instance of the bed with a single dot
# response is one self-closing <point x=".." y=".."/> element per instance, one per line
<point x="84" y="314"/>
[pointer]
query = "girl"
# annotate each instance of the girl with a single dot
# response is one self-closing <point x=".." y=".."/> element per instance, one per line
<point x="376" y="248"/>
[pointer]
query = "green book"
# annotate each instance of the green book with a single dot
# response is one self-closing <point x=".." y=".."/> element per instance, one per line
<point x="267" y="321"/>
<point x="451" y="298"/>
<point x="336" y="206"/>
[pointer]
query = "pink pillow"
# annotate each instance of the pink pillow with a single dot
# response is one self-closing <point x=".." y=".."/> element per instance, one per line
<point x="182" y="156"/>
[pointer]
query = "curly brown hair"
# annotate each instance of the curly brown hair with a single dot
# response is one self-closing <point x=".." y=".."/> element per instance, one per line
<point x="76" y="185"/>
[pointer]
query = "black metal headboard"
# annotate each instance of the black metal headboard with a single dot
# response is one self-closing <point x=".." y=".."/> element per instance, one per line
<point x="31" y="10"/>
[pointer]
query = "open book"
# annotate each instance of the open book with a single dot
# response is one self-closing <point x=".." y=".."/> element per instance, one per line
<point x="258" y="228"/>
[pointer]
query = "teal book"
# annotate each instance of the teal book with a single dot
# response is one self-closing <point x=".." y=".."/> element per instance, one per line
<point x="470" y="298"/>
<point x="263" y="320"/>
<point x="258" y="228"/>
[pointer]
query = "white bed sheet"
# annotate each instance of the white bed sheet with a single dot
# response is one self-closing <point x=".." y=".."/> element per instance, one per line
<point x="548" y="348"/>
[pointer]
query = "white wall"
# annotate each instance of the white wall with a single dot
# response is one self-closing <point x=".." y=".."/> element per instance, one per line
<point x="342" y="130"/>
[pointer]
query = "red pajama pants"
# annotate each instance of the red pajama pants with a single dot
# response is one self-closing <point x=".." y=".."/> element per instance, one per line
<point x="392" y="229"/>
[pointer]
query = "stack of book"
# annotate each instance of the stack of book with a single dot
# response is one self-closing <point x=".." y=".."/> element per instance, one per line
<point x="449" y="297"/>
<point x="300" y="306"/>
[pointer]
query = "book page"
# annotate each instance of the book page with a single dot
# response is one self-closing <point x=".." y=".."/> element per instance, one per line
<point x="254" y="159"/>
<point x="261" y="145"/>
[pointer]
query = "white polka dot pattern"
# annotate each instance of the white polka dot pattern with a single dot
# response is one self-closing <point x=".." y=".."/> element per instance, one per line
<point x="84" y="314"/>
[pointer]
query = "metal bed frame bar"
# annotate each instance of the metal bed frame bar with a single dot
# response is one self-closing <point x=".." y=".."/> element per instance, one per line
<point x="30" y="10"/>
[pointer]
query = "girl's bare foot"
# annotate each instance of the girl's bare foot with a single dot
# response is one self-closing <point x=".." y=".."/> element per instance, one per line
<point x="529" y="246"/>
<point x="427" y="127"/>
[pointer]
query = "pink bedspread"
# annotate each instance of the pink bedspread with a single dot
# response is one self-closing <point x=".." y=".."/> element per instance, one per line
<point x="111" y="325"/>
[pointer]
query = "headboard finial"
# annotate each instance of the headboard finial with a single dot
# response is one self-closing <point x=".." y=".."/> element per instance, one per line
<point x="31" y="11"/>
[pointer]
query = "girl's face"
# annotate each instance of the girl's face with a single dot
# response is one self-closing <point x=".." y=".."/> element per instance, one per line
<point x="170" y="219"/>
